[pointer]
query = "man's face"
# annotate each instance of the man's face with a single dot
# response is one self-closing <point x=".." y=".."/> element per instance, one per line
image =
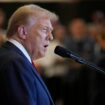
<point x="39" y="36"/>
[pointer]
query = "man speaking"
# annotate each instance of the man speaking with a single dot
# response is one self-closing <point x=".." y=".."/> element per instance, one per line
<point x="29" y="33"/>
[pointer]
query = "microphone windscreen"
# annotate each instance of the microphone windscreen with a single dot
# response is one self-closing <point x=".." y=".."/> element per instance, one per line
<point x="61" y="51"/>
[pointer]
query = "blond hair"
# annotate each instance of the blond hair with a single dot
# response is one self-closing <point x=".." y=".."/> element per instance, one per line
<point x="22" y="14"/>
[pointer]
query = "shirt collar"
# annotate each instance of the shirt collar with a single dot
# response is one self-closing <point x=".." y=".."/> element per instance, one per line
<point x="21" y="47"/>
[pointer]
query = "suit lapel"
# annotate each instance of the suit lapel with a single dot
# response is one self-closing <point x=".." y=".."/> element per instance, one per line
<point x="8" y="45"/>
<point x="43" y="84"/>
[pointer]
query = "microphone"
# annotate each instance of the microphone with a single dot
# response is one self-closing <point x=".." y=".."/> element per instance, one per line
<point x="63" y="52"/>
<point x="68" y="54"/>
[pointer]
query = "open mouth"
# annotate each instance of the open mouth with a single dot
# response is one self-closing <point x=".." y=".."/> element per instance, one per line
<point x="45" y="46"/>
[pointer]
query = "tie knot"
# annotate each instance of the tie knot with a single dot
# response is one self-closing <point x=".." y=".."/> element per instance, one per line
<point x="37" y="67"/>
<point x="33" y="64"/>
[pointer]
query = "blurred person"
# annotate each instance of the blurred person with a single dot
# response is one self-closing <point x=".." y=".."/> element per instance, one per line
<point x="100" y="39"/>
<point x="2" y="20"/>
<point x="97" y="88"/>
<point x="96" y="33"/>
<point x="76" y="80"/>
<point x="29" y="33"/>
<point x="98" y="20"/>
<point x="93" y="32"/>
<point x="78" y="39"/>
<point x="96" y="84"/>
<point x="97" y="28"/>
<point x="2" y="30"/>
<point x="2" y="39"/>
<point x="98" y="17"/>
<point x="79" y="35"/>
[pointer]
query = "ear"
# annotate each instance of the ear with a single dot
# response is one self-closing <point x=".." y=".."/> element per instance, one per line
<point x="22" y="32"/>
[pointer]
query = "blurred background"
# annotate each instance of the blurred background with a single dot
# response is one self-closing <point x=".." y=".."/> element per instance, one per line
<point x="81" y="29"/>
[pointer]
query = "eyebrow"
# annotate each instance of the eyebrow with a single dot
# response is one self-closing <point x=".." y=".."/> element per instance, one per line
<point x="51" y="28"/>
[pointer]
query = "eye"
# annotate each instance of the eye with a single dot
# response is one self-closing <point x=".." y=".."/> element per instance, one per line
<point x="45" y="29"/>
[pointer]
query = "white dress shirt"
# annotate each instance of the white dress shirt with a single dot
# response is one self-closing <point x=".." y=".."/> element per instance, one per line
<point x="21" y="47"/>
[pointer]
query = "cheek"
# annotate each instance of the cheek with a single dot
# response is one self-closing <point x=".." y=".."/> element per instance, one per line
<point x="37" y="44"/>
<point x="40" y="38"/>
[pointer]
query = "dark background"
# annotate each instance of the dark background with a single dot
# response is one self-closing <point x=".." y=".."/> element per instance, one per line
<point x="66" y="11"/>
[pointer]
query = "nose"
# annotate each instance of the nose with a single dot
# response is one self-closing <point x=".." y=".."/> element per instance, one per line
<point x="50" y="36"/>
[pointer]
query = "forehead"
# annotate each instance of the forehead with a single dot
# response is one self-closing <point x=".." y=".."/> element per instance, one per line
<point x="41" y="22"/>
<point x="45" y="22"/>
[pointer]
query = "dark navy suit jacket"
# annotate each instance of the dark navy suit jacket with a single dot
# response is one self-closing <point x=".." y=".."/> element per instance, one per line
<point x="20" y="83"/>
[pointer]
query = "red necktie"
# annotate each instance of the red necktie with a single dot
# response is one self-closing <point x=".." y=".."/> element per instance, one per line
<point x="33" y="64"/>
<point x="36" y="67"/>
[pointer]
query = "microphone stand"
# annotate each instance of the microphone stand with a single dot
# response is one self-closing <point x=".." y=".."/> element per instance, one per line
<point x="89" y="64"/>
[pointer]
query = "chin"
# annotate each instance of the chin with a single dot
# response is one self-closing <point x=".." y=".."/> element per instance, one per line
<point x="41" y="56"/>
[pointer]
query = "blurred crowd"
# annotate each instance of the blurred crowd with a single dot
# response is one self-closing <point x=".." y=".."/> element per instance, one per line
<point x="2" y="30"/>
<point x="69" y="82"/>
